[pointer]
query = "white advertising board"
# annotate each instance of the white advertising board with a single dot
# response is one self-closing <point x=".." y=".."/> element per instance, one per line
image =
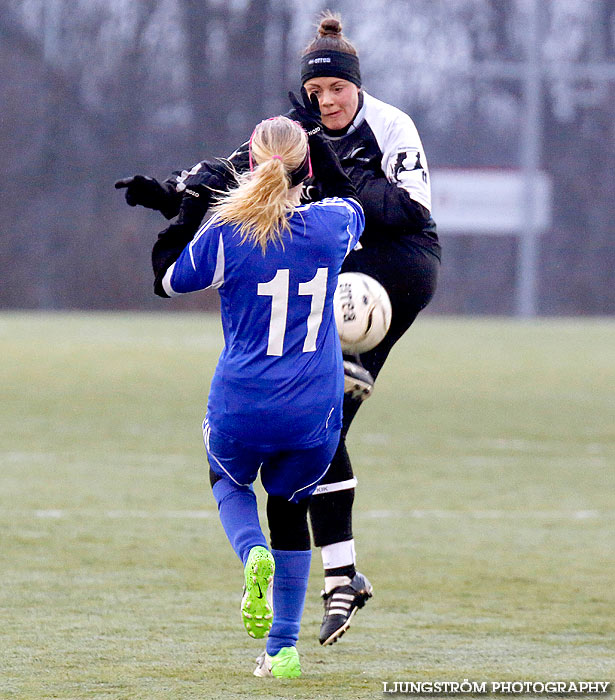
<point x="489" y="201"/>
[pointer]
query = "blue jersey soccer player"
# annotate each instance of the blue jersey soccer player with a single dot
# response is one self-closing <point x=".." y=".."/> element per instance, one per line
<point x="381" y="151"/>
<point x="275" y="403"/>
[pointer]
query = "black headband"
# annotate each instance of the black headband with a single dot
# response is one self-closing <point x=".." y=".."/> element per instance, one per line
<point x="304" y="171"/>
<point x="299" y="174"/>
<point x="330" y="64"/>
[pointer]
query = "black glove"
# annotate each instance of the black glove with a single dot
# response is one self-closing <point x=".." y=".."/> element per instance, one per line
<point x="328" y="173"/>
<point x="143" y="190"/>
<point x="307" y="114"/>
<point x="222" y="169"/>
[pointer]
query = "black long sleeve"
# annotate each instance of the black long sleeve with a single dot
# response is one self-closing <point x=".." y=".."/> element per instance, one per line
<point x="390" y="208"/>
<point x="172" y="241"/>
<point x="171" y="198"/>
<point x="327" y="171"/>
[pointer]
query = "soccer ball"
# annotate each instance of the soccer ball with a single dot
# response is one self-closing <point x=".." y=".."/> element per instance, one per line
<point x="362" y="312"/>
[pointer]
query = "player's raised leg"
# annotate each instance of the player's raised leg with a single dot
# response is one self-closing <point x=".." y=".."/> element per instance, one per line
<point x="345" y="589"/>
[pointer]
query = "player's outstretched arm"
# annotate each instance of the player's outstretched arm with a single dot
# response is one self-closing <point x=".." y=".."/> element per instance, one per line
<point x="166" y="196"/>
<point x="148" y="192"/>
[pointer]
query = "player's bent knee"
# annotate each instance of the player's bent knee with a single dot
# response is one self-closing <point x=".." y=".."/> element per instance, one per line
<point x="288" y="524"/>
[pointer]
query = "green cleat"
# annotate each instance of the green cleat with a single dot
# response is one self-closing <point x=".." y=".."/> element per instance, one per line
<point x="284" y="664"/>
<point x="257" y="603"/>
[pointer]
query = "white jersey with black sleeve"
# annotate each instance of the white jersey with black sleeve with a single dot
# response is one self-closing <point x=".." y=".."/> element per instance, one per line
<point x="403" y="159"/>
<point x="383" y="155"/>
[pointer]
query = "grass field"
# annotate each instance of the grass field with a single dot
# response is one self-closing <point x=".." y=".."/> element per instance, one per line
<point x="484" y="516"/>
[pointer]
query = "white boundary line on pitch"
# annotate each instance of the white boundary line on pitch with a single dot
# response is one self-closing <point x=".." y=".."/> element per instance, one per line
<point x="492" y="514"/>
<point x="418" y="514"/>
<point x="125" y="514"/>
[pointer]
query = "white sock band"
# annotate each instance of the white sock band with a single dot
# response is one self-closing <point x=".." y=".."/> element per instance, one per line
<point x="337" y="486"/>
<point x="338" y="554"/>
<point x="332" y="582"/>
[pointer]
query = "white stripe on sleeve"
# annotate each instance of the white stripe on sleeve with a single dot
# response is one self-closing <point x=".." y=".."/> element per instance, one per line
<point x="166" y="282"/>
<point x="218" y="279"/>
<point x="206" y="226"/>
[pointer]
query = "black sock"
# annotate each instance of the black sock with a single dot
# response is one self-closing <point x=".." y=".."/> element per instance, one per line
<point x="348" y="570"/>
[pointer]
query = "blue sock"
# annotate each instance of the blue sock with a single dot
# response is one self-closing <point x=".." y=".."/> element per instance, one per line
<point x="239" y="517"/>
<point x="290" y="582"/>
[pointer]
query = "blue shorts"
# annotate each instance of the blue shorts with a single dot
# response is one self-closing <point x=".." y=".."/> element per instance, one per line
<point x="292" y="474"/>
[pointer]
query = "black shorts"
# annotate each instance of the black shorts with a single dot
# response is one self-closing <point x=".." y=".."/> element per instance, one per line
<point x="409" y="273"/>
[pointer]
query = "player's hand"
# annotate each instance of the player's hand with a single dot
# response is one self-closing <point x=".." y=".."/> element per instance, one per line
<point x="142" y="190"/>
<point x="307" y="114"/>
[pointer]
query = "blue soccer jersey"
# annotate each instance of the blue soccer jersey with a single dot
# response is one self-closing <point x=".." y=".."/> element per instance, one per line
<point x="279" y="381"/>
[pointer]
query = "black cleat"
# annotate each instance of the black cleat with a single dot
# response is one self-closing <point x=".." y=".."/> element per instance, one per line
<point x="358" y="382"/>
<point x="341" y="605"/>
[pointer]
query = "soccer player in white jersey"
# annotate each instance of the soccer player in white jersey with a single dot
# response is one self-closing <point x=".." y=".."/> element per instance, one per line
<point x="380" y="150"/>
<point x="275" y="402"/>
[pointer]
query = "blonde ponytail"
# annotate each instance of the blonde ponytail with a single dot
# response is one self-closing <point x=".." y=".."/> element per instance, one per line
<point x="260" y="205"/>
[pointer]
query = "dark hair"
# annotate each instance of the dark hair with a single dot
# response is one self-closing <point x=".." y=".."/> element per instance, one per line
<point x="330" y="36"/>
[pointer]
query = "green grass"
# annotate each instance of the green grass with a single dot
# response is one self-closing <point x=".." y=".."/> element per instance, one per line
<point x="484" y="514"/>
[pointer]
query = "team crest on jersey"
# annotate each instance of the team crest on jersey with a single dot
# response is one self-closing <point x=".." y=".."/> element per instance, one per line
<point x="408" y="161"/>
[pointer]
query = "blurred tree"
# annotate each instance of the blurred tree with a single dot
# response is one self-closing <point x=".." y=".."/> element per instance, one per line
<point x="92" y="91"/>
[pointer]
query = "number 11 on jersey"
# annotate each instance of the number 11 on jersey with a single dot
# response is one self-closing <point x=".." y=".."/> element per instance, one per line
<point x="277" y="289"/>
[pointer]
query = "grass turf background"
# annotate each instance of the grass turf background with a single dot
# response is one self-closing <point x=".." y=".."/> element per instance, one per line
<point x="484" y="513"/>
